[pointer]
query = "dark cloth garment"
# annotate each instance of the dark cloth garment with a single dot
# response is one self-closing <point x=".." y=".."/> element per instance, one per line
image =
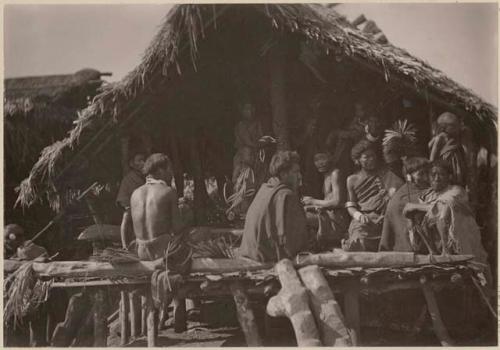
<point x="331" y="224"/>
<point x="275" y="224"/>
<point x="453" y="153"/>
<point x="373" y="194"/>
<point x="395" y="227"/>
<point x="129" y="184"/>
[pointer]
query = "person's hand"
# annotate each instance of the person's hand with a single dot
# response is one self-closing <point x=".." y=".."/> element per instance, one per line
<point x="363" y="219"/>
<point x="308" y="200"/>
<point x="409" y="209"/>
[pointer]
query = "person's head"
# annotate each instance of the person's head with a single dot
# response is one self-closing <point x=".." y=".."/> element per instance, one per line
<point x="285" y="166"/>
<point x="374" y="126"/>
<point x="440" y="175"/>
<point x="136" y="161"/>
<point x="159" y="167"/>
<point x="247" y="110"/>
<point x="418" y="170"/>
<point x="13" y="235"/>
<point x="323" y="161"/>
<point x="448" y="123"/>
<point x="364" y="154"/>
<point x="359" y="110"/>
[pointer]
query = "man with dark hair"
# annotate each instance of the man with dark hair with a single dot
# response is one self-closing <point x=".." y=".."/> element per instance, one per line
<point x="368" y="190"/>
<point x="155" y="214"/>
<point x="275" y="225"/>
<point x="132" y="180"/>
<point x="328" y="214"/>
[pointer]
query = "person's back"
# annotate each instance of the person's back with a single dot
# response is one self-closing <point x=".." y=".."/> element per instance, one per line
<point x="275" y="225"/>
<point x="155" y="215"/>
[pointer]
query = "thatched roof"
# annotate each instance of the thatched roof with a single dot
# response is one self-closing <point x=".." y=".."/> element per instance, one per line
<point x="184" y="27"/>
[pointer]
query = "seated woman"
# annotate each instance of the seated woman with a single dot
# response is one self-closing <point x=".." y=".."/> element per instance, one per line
<point x="328" y="215"/>
<point x="395" y="228"/>
<point x="448" y="215"/>
<point x="369" y="191"/>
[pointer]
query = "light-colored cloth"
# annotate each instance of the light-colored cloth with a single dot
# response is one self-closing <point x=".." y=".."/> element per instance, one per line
<point x="373" y="193"/>
<point x="451" y="207"/>
<point x="153" y="249"/>
<point x="129" y="184"/>
<point x="395" y="227"/>
<point x="275" y="225"/>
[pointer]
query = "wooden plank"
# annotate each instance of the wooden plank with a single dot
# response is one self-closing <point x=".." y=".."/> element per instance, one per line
<point x="135" y="314"/>
<point x="246" y="316"/>
<point x="124" y="320"/>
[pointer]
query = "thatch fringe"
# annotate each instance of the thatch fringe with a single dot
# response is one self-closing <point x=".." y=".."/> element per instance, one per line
<point x="184" y="25"/>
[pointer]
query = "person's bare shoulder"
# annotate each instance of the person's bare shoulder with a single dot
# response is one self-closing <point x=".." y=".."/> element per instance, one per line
<point x="138" y="192"/>
<point x="352" y="179"/>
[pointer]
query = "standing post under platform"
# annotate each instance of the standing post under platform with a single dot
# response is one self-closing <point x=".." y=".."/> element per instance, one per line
<point x="292" y="301"/>
<point x="152" y="322"/>
<point x="124" y="321"/>
<point x="135" y="314"/>
<point x="144" y="315"/>
<point x="326" y="310"/>
<point x="100" y="320"/>
<point x="351" y="306"/>
<point x="277" y="64"/>
<point x="180" y="315"/>
<point x="246" y="316"/>
<point x="432" y="307"/>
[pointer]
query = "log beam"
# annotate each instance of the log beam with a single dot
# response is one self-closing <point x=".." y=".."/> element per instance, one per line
<point x="437" y="321"/>
<point x="327" y="312"/>
<point x="180" y="315"/>
<point x="135" y="314"/>
<point x="351" y="306"/>
<point x="246" y="317"/>
<point x="292" y="301"/>
<point x="152" y="322"/>
<point x="124" y="319"/>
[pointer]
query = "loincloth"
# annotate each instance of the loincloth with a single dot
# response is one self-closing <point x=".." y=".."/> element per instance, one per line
<point x="152" y="249"/>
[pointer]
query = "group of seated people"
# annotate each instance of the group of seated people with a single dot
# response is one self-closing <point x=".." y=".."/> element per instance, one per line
<point x="428" y="215"/>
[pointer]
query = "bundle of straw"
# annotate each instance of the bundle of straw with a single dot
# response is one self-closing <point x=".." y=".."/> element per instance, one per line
<point x="242" y="191"/>
<point x="218" y="248"/>
<point x="116" y="256"/>
<point x="23" y="293"/>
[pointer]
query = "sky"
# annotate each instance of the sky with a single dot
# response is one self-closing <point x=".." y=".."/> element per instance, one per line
<point x="459" y="39"/>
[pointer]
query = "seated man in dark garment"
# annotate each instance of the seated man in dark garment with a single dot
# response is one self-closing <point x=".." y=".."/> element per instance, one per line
<point x="395" y="234"/>
<point x="369" y="191"/>
<point x="275" y="225"/>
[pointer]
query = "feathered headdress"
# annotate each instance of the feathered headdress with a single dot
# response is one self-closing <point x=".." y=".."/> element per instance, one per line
<point x="400" y="141"/>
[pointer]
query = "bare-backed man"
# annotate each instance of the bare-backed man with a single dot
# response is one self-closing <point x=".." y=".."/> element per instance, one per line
<point x="155" y="214"/>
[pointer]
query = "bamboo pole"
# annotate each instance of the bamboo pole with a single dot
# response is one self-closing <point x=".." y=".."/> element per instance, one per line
<point x="351" y="306"/>
<point x="144" y="315"/>
<point x="135" y="314"/>
<point x="246" y="316"/>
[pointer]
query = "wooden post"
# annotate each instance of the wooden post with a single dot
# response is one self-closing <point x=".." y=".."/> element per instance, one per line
<point x="152" y="328"/>
<point x="124" y="321"/>
<point x="293" y="302"/>
<point x="278" y="96"/>
<point x="144" y="315"/>
<point x="135" y="314"/>
<point x="180" y="315"/>
<point x="351" y="305"/>
<point x="100" y="324"/>
<point x="246" y="316"/>
<point x="437" y="321"/>
<point x="38" y="327"/>
<point x="326" y="310"/>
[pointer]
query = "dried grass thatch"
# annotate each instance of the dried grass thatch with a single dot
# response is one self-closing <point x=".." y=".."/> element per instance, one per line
<point x="186" y="25"/>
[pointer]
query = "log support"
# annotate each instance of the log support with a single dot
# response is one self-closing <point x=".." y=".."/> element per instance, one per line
<point x="180" y="315"/>
<point x="437" y="322"/>
<point x="327" y="312"/>
<point x="100" y="320"/>
<point x="144" y="314"/>
<point x="124" y="319"/>
<point x="292" y="301"/>
<point x="152" y="322"/>
<point x="246" y="316"/>
<point x="135" y="314"/>
<point x="351" y="306"/>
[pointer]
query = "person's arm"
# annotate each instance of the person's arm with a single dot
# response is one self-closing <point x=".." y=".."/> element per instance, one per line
<point x="337" y="195"/>
<point x="413" y="207"/>
<point x="351" y="204"/>
<point x="126" y="228"/>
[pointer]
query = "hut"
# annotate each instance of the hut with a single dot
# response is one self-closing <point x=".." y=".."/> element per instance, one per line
<point x="206" y="58"/>
<point x="38" y="111"/>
